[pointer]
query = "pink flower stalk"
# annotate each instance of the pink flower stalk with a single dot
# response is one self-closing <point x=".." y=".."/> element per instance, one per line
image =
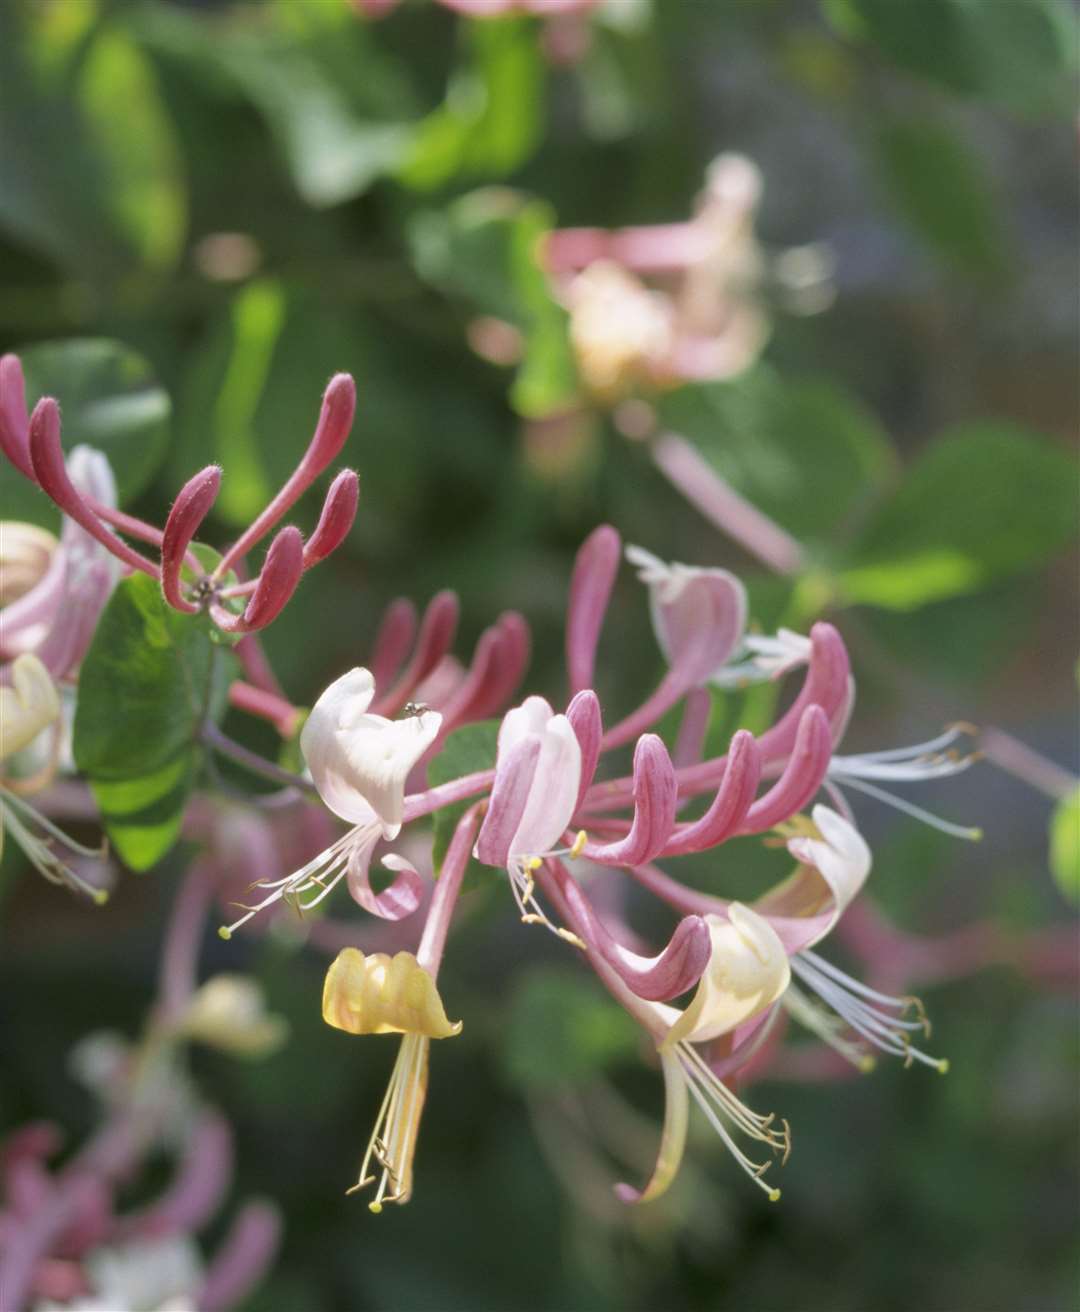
<point x="33" y="446"/>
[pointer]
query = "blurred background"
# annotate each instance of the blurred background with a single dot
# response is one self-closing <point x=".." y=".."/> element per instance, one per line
<point x="214" y="206"/>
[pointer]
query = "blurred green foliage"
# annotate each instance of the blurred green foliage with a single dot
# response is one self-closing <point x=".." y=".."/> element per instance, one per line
<point x="208" y="208"/>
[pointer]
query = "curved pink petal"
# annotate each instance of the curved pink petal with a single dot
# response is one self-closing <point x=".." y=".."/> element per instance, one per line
<point x="803" y="774"/>
<point x="585" y="718"/>
<point x="655" y="800"/>
<point x="729" y="807"/>
<point x="399" y="899"/>
<point x="509" y="797"/>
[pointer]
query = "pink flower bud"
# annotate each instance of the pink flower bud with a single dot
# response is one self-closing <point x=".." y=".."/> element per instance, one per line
<point x="335" y="420"/>
<point x="826" y="685"/>
<point x="47" y="458"/>
<point x="190" y="508"/>
<point x="277" y="582"/>
<point x="594" y="574"/>
<point x="14" y="430"/>
<point x="392" y="640"/>
<point x="338" y="514"/>
<point x="803" y="775"/>
<point x="729" y="807"/>
<point x="655" y="799"/>
<point x="243" y="1258"/>
<point x="437" y="630"/>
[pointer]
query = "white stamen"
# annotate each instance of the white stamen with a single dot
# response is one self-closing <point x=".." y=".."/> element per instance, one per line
<point x="717" y="1101"/>
<point x="876" y="1016"/>
<point x="971" y="833"/>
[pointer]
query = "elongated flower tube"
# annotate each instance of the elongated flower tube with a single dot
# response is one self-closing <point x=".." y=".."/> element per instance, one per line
<point x="14" y="429"/>
<point x="586" y="721"/>
<point x="359" y="763"/>
<point x="655" y="799"/>
<point x="393" y="640"/>
<point x="803" y="774"/>
<point x="729" y="807"/>
<point x="595" y="568"/>
<point x="47" y="458"/>
<point x="747" y="971"/>
<point x="335" y="421"/>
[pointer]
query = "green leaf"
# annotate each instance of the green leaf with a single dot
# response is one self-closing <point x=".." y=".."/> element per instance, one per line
<point x="939" y="187"/>
<point x="805" y="452"/>
<point x="91" y="166"/>
<point x="562" y="1029"/>
<point x="149" y="679"/>
<point x="491" y="119"/>
<point x="984" y="502"/>
<point x="483" y="249"/>
<point x="109" y="399"/>
<point x="143" y="815"/>
<point x="466" y="750"/>
<point x="1065" y="846"/>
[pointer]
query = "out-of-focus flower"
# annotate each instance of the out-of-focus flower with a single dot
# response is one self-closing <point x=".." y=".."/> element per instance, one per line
<point x="229" y="1012"/>
<point x="621" y="332"/>
<point x="25" y="554"/>
<point x="28" y="706"/>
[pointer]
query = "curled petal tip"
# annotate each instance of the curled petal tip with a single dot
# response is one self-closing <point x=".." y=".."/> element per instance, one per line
<point x="338" y="513"/>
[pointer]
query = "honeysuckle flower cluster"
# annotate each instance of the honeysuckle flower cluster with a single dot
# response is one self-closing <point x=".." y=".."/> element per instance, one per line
<point x="81" y="487"/>
<point x="550" y="812"/>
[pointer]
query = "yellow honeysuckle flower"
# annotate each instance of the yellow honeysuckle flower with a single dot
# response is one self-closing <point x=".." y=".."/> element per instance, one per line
<point x="378" y="994"/>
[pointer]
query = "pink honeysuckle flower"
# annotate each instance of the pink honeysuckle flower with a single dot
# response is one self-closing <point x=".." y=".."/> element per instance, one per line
<point x="359" y="763"/>
<point x="698" y="616"/>
<point x="747" y="971"/>
<point x="533" y="797"/>
<point x="57" y="617"/>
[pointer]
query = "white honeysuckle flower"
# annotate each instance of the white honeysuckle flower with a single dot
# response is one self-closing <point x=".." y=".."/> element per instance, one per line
<point x="359" y="764"/>
<point x="748" y="972"/>
<point x="698" y="614"/>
